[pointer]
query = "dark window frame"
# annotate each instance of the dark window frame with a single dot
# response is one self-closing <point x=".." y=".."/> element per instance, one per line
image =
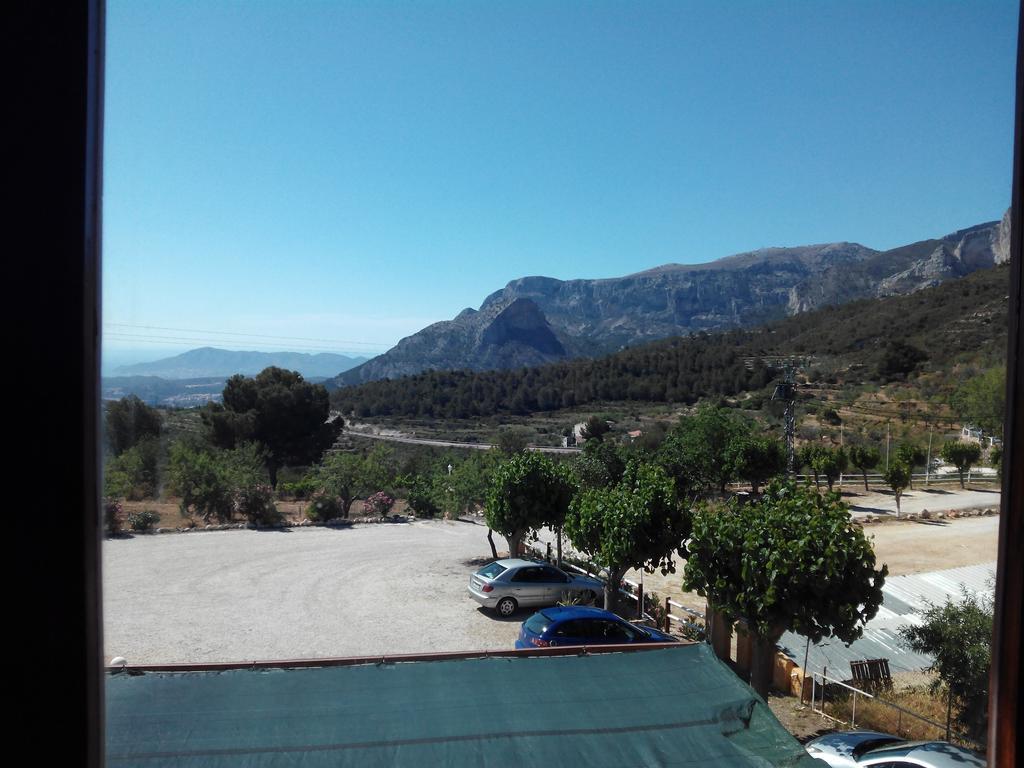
<point x="57" y="126"/>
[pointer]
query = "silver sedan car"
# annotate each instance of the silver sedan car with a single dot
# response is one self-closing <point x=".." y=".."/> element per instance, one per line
<point x="505" y="585"/>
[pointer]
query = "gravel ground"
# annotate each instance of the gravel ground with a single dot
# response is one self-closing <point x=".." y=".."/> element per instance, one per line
<point x="371" y="589"/>
<point x="311" y="592"/>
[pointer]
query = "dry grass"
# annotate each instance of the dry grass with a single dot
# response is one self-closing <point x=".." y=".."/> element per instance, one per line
<point x="169" y="511"/>
<point x="913" y="695"/>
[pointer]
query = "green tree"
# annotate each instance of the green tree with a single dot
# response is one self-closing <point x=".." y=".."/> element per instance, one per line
<point x="757" y="459"/>
<point x="465" y="487"/>
<point x="638" y="523"/>
<point x="958" y="636"/>
<point x="806" y="456"/>
<point x="789" y="560"/>
<point x="830" y="462"/>
<point x="526" y="492"/>
<point x="699" y="452"/>
<point x="897" y="477"/>
<point x="128" y="421"/>
<point x="512" y="440"/>
<point x="982" y="400"/>
<point x="961" y="455"/>
<point x="421" y="496"/>
<point x="865" y="457"/>
<point x="134" y="473"/>
<point x="201" y="477"/>
<point x="899" y="359"/>
<point x="341" y="476"/>
<point x="278" y="409"/>
<point x="379" y="469"/>
<point x="995" y="458"/>
<point x="599" y="465"/>
<point x="912" y="455"/>
<point x="595" y="428"/>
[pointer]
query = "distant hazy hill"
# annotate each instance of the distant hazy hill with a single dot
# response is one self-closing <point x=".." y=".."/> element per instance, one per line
<point x="534" y="320"/>
<point x="207" y="362"/>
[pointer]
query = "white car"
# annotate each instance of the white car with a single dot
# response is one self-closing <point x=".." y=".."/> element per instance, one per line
<point x="854" y="749"/>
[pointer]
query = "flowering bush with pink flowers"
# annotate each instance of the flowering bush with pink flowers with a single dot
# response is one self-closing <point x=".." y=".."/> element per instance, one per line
<point x="379" y="504"/>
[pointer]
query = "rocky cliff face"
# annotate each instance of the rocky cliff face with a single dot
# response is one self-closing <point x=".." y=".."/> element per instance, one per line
<point x="502" y="334"/>
<point x="535" y="320"/>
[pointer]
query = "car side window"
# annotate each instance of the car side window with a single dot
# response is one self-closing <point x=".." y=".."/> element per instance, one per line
<point x="555" y="575"/>
<point x="569" y="629"/>
<point x="588" y="628"/>
<point x="525" y="575"/>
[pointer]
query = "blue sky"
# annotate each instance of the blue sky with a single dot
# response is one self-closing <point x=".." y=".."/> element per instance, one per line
<point x="334" y="176"/>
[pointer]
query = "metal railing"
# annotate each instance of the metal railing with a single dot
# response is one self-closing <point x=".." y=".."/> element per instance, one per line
<point x="633" y="593"/>
<point x="824" y="688"/>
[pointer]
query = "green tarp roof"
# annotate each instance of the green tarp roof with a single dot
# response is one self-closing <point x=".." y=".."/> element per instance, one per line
<point x="670" y="707"/>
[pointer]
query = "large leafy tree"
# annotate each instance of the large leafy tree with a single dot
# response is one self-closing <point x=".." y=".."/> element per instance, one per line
<point x="526" y="492"/>
<point x="790" y="560"/>
<point x="699" y="452"/>
<point x="865" y="457"/>
<point x="958" y="636"/>
<point x="595" y="428"/>
<point x="982" y="400"/>
<point x="128" y="421"/>
<point x="638" y="523"/>
<point x="278" y="409"/>
<point x="961" y="455"/>
<point x="599" y="465"/>
<point x="213" y="483"/>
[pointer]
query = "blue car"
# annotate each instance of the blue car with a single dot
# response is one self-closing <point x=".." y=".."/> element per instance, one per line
<point x="579" y="625"/>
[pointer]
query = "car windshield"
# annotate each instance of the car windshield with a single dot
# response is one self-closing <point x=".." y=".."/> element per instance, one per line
<point x="870" y="744"/>
<point x="492" y="571"/>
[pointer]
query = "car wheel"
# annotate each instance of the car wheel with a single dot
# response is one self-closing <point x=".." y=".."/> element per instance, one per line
<point x="506" y="606"/>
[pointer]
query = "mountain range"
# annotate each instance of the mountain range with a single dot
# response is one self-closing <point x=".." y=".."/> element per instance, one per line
<point x="536" y="320"/>
<point x="207" y="362"/>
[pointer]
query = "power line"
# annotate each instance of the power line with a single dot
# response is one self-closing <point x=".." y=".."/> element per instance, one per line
<point x="190" y="341"/>
<point x="236" y="333"/>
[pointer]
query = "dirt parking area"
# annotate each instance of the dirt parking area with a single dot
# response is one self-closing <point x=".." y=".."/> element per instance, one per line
<point x="245" y="595"/>
<point x="385" y="588"/>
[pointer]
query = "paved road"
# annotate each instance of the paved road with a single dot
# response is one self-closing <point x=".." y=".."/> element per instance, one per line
<point x="450" y="443"/>
<point x="933" y="499"/>
<point x="313" y="592"/>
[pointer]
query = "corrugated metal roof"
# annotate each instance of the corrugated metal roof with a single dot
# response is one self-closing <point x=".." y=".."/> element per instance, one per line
<point x="906" y="598"/>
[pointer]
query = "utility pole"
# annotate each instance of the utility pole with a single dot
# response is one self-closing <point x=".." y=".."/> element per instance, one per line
<point x="786" y="392"/>
<point x="928" y="464"/>
<point x="887" y="424"/>
<point x="841" y="426"/>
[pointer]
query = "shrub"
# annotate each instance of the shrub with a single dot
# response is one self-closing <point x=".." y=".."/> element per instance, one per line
<point x="111" y="517"/>
<point x="256" y="504"/>
<point x="143" y="521"/>
<point x="323" y="508"/>
<point x="420" y="498"/>
<point x="379" y="504"/>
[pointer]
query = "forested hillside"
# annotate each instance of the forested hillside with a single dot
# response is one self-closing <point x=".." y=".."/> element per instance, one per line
<point x="873" y="340"/>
